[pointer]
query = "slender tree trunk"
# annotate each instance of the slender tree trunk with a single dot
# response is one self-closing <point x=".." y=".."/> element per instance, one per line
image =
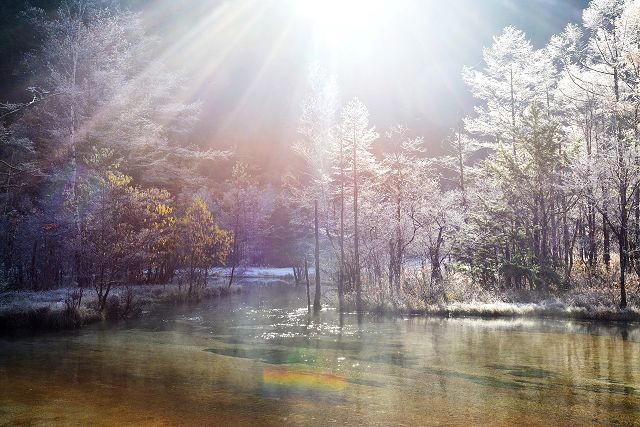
<point x="461" y="166"/>
<point x="635" y="235"/>
<point x="591" y="210"/>
<point x="341" y="272"/>
<point x="623" y="266"/>
<point x="79" y="270"/>
<point x="513" y="114"/>
<point x="623" y="234"/>
<point x="356" y="236"/>
<point x="34" y="272"/>
<point x="399" y="246"/>
<point x="593" y="256"/>
<point x="306" y="276"/>
<point x="233" y="269"/>
<point x="606" y="239"/>
<point x="434" y="256"/>
<point x="622" y="189"/>
<point x="235" y="246"/>
<point x="9" y="241"/>
<point x="316" y="298"/>
<point x="392" y="255"/>
<point x="566" y="243"/>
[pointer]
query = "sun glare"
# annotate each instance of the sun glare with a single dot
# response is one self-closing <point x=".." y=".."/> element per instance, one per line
<point x="346" y="24"/>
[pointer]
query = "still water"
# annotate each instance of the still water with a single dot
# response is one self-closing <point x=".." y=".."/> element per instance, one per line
<point x="260" y="359"/>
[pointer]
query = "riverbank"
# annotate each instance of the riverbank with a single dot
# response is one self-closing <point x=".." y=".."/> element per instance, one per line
<point x="59" y="308"/>
<point x="62" y="309"/>
<point x="552" y="309"/>
<point x="56" y="309"/>
<point x="456" y="298"/>
<point x="543" y="309"/>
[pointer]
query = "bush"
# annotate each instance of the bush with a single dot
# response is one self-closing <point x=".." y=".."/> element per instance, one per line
<point x="44" y="318"/>
<point x="112" y="308"/>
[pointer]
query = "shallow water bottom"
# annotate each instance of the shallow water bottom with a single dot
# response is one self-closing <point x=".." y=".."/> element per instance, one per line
<point x="260" y="359"/>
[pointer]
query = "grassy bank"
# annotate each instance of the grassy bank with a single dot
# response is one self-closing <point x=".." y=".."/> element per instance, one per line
<point x="549" y="308"/>
<point x="457" y="297"/>
<point x="56" y="309"/>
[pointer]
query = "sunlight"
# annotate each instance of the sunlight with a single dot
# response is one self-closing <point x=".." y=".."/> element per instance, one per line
<point x="349" y="25"/>
<point x="315" y="212"/>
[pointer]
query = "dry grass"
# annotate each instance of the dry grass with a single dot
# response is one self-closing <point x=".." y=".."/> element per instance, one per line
<point x="591" y="296"/>
<point x="58" y="309"/>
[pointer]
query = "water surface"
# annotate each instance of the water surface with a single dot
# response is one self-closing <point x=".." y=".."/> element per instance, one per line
<point x="260" y="359"/>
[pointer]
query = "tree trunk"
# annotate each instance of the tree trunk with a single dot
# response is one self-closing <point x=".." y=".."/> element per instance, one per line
<point x="622" y="189"/>
<point x="434" y="256"/>
<point x="623" y="270"/>
<point x="34" y="273"/>
<point x="233" y="269"/>
<point x="316" y="298"/>
<point x="80" y="276"/>
<point x="306" y="275"/>
<point x="461" y="166"/>
<point x="356" y="236"/>
<point x="296" y="279"/>
<point x="593" y="256"/>
<point x="513" y="115"/>
<point x="392" y="254"/>
<point x="341" y="271"/>
<point x="397" y="270"/>
<point x="606" y="239"/>
<point x="436" y="270"/>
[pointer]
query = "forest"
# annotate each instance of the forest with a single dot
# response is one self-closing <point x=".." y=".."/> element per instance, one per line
<point x="535" y="196"/>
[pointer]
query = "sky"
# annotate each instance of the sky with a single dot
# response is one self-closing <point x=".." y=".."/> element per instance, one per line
<point x="246" y="61"/>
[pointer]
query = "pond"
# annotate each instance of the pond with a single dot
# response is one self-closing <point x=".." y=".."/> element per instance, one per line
<point x="259" y="358"/>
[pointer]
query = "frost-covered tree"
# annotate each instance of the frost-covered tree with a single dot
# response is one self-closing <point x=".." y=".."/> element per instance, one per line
<point x="601" y="62"/>
<point x="401" y="186"/>
<point x="315" y="126"/>
<point x="245" y="215"/>
<point x="357" y="136"/>
<point x="96" y="86"/>
<point x="510" y="81"/>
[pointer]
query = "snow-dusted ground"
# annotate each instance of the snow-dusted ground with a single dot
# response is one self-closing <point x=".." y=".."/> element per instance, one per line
<point x="12" y="302"/>
<point x="257" y="272"/>
<point x="18" y="301"/>
<point x="551" y="309"/>
<point x="21" y="301"/>
<point x="587" y="305"/>
<point x="257" y="275"/>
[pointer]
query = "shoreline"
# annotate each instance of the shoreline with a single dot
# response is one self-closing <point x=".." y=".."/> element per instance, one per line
<point x="46" y="311"/>
<point x="541" y="309"/>
<point x="42" y="311"/>
<point x="531" y="311"/>
<point x="478" y="312"/>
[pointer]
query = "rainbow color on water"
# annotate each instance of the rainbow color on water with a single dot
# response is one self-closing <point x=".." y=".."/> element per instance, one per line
<point x="303" y="380"/>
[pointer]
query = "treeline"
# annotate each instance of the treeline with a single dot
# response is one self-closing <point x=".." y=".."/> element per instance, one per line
<point x="100" y="183"/>
<point x="539" y="195"/>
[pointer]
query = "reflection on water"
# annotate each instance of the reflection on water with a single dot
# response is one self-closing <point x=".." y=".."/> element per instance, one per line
<point x="259" y="358"/>
<point x="294" y="378"/>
